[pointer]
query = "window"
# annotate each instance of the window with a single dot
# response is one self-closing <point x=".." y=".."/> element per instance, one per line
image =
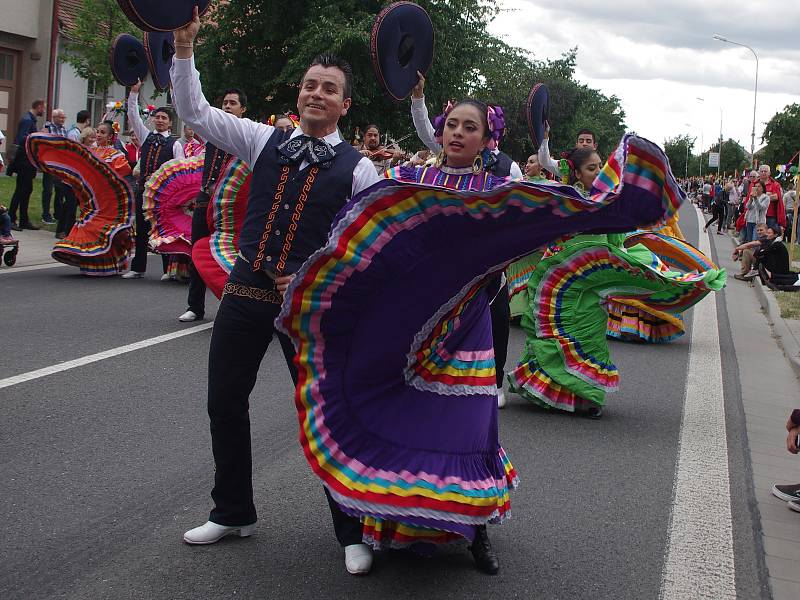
<point x="6" y="67"/>
<point x="94" y="103"/>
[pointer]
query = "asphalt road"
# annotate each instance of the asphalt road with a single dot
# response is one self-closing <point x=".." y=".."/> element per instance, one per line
<point x="104" y="466"/>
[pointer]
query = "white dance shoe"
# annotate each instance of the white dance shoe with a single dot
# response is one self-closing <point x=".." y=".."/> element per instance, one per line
<point x="358" y="559"/>
<point x="211" y="533"/>
<point x="501" y="398"/>
<point x="188" y="317"/>
<point x="132" y="275"/>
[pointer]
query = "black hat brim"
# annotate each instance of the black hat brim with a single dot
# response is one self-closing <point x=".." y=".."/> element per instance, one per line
<point x="401" y="43"/>
<point x="161" y="15"/>
<point x="536" y="111"/>
<point x="128" y="60"/>
<point x="160" y="48"/>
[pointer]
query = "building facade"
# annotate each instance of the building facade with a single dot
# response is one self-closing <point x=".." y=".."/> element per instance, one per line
<point x="33" y="39"/>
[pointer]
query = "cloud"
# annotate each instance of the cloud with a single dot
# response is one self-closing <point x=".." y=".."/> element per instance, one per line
<point x="657" y="57"/>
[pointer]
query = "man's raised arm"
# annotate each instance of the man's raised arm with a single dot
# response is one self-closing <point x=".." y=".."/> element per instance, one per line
<point x="241" y="137"/>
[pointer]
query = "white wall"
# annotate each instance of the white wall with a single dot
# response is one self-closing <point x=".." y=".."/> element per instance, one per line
<point x="72" y="94"/>
<point x="21" y="17"/>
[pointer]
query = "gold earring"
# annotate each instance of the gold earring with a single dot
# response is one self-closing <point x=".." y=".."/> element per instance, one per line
<point x="441" y="158"/>
<point x="477" y="164"/>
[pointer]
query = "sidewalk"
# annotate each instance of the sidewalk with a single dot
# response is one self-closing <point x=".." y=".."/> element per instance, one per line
<point x="768" y="373"/>
<point x="34" y="249"/>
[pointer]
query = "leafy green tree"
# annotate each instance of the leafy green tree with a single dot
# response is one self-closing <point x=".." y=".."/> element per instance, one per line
<point x="97" y="24"/>
<point x="782" y="136"/>
<point x="250" y="44"/>
<point x="679" y="152"/>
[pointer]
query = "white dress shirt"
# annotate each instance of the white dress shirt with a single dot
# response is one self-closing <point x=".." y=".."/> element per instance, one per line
<point x="545" y="160"/>
<point x="141" y="130"/>
<point x="241" y="137"/>
<point x="426" y="133"/>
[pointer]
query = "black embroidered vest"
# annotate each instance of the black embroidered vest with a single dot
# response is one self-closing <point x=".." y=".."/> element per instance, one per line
<point x="290" y="211"/>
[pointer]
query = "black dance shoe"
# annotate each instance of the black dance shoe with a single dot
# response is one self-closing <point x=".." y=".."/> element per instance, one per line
<point x="481" y="548"/>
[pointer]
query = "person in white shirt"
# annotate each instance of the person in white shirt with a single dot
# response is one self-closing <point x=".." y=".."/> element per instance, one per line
<point x="158" y="146"/>
<point x="301" y="179"/>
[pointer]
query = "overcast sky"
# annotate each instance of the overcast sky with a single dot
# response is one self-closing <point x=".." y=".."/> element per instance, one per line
<point x="658" y="57"/>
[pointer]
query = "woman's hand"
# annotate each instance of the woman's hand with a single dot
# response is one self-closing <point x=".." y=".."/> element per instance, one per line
<point x="136" y="86"/>
<point x="419" y="89"/>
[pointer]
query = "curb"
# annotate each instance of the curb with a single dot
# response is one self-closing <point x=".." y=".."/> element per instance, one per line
<point x="783" y="335"/>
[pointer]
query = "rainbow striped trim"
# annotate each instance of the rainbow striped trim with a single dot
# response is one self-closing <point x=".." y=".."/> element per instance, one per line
<point x="224" y="238"/>
<point x="416" y="498"/>
<point x="98" y="243"/>
<point x="167" y="195"/>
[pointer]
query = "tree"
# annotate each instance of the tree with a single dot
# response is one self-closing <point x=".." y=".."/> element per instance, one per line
<point x="250" y="44"/>
<point x="782" y="136"/>
<point x="89" y="43"/>
<point x="679" y="152"/>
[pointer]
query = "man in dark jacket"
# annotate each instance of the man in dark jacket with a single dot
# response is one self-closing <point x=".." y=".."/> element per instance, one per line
<point x="25" y="171"/>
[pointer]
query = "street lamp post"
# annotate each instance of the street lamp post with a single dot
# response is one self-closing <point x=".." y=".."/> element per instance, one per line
<point x="720" y="38"/>
<point x="689" y="127"/>
<point x="701" y="138"/>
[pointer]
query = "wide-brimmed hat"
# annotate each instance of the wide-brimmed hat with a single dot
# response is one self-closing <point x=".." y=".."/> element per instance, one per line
<point x="401" y="44"/>
<point x="160" y="48"/>
<point x="161" y="15"/>
<point x="536" y="111"/>
<point x="128" y="60"/>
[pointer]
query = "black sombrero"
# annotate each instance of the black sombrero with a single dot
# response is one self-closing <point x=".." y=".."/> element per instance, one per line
<point x="161" y="15"/>
<point x="536" y="108"/>
<point x="401" y="44"/>
<point x="160" y="47"/>
<point x="128" y="60"/>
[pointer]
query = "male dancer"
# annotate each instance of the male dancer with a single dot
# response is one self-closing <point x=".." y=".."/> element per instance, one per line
<point x="585" y="139"/>
<point x="301" y="178"/>
<point x="158" y="146"/>
<point x="235" y="103"/>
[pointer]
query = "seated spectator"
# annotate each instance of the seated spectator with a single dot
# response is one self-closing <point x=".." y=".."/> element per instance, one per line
<point x="747" y="254"/>
<point x="791" y="493"/>
<point x="772" y="259"/>
<point x="5" y="225"/>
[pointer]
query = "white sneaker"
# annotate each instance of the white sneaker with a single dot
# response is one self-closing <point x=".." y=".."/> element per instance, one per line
<point x="165" y="277"/>
<point x="211" y="532"/>
<point x="752" y="273"/>
<point x="132" y="275"/>
<point x="358" y="559"/>
<point x="501" y="398"/>
<point x="188" y="317"/>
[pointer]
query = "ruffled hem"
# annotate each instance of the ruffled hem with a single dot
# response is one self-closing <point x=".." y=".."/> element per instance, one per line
<point x="631" y="323"/>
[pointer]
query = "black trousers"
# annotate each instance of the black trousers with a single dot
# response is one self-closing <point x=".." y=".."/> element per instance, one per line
<point x="501" y="329"/>
<point x="243" y="329"/>
<point x="139" y="262"/>
<point x="66" y="216"/>
<point x="22" y="193"/>
<point x="50" y="184"/>
<point x="197" y="287"/>
<point x="718" y="215"/>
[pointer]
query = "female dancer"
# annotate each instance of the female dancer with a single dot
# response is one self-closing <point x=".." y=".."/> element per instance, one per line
<point x="99" y="242"/>
<point x="566" y="364"/>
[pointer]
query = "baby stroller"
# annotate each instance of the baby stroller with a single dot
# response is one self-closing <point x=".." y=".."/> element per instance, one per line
<point x="9" y="247"/>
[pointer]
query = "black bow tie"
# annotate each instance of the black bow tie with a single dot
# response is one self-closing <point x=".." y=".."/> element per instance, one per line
<point x="314" y="150"/>
<point x="157" y="139"/>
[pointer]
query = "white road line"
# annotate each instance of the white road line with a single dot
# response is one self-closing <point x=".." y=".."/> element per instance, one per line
<point x="91" y="358"/>
<point x="699" y="560"/>
<point x="9" y="270"/>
